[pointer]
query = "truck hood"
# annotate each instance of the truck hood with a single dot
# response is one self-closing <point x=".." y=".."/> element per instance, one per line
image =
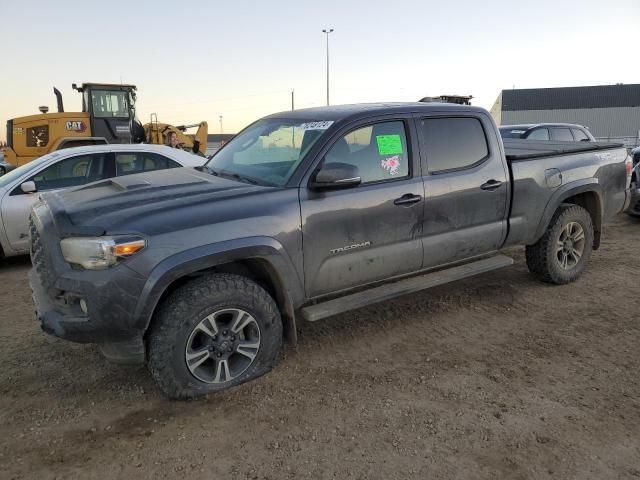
<point x="132" y="202"/>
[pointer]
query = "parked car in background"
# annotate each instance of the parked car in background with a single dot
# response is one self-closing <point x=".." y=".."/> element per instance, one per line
<point x="73" y="167"/>
<point x="5" y="166"/>
<point x="559" y="132"/>
<point x="634" y="205"/>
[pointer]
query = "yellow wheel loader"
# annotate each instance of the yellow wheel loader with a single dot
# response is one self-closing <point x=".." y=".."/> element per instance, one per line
<point x="108" y="116"/>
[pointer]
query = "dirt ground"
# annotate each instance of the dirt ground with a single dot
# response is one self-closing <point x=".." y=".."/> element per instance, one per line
<point x="497" y="376"/>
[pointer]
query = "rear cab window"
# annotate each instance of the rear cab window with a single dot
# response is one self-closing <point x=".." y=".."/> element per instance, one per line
<point x="453" y="143"/>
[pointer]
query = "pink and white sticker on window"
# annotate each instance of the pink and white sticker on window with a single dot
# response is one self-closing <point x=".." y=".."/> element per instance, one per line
<point x="391" y="164"/>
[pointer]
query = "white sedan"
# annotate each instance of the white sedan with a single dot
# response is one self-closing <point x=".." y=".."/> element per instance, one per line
<point x="69" y="168"/>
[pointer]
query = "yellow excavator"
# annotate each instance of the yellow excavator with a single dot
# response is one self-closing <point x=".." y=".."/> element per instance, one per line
<point x="108" y="116"/>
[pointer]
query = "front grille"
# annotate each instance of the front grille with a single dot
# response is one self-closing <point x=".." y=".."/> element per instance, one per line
<point x="38" y="256"/>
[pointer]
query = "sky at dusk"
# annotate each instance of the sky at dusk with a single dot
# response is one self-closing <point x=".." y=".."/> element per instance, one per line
<point x="196" y="61"/>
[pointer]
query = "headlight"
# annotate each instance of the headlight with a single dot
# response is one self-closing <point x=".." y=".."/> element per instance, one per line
<point x="97" y="253"/>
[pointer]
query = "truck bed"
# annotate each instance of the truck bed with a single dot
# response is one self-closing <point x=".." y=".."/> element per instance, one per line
<point x="516" y="149"/>
<point x="553" y="168"/>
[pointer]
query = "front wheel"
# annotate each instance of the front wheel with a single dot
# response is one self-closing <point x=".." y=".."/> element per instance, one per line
<point x="562" y="254"/>
<point x="213" y="333"/>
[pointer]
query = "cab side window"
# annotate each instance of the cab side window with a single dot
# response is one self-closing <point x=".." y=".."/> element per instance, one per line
<point x="579" y="135"/>
<point x="128" y="163"/>
<point x="453" y="143"/>
<point x="561" y="134"/>
<point x="379" y="151"/>
<point x="71" y="172"/>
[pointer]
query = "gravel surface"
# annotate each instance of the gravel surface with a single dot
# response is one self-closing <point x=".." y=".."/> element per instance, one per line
<point x="497" y="376"/>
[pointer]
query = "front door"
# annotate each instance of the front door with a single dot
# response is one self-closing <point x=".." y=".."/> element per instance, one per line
<point x="466" y="188"/>
<point x="373" y="231"/>
<point x="68" y="172"/>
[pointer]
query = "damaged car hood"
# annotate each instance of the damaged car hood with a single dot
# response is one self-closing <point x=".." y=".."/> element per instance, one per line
<point x="134" y="202"/>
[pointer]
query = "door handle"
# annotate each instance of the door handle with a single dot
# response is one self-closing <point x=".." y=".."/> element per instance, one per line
<point x="407" y="199"/>
<point x="491" y="185"/>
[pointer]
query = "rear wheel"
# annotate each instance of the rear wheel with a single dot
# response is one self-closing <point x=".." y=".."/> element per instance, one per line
<point x="562" y="254"/>
<point x="213" y="333"/>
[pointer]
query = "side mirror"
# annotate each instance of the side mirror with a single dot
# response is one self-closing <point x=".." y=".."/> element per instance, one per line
<point x="29" y="187"/>
<point x="336" y="175"/>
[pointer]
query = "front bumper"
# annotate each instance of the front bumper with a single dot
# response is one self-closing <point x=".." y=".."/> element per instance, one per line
<point x="111" y="297"/>
<point x="56" y="319"/>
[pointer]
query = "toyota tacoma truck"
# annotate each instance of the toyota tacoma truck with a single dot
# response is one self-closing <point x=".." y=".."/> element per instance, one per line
<point x="200" y="274"/>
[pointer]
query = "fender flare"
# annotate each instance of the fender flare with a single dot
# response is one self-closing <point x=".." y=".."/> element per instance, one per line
<point x="201" y="258"/>
<point x="589" y="185"/>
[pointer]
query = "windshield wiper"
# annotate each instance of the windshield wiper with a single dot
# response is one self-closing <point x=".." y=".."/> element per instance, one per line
<point x="206" y="169"/>
<point x="237" y="176"/>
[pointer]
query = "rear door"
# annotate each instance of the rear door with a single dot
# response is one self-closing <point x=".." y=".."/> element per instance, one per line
<point x="466" y="187"/>
<point x="65" y="173"/>
<point x="370" y="232"/>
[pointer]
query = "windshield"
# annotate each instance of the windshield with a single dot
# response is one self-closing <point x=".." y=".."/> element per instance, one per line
<point x="109" y="104"/>
<point x="267" y="152"/>
<point x="511" y="132"/>
<point x="9" y="177"/>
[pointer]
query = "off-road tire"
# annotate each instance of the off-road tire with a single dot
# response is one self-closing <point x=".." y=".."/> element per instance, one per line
<point x="542" y="257"/>
<point x="184" y="308"/>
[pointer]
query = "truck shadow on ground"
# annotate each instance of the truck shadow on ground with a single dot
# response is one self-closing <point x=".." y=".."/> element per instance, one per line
<point x="493" y="290"/>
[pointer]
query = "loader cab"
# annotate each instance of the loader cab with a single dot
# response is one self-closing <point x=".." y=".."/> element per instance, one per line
<point x="111" y="110"/>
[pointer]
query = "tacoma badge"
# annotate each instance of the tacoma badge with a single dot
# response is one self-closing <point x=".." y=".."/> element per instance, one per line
<point x="350" y="247"/>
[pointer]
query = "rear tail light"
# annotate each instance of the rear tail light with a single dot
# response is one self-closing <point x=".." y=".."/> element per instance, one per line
<point x="629" y="165"/>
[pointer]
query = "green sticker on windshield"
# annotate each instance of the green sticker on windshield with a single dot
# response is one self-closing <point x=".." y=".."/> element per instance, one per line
<point x="389" y="144"/>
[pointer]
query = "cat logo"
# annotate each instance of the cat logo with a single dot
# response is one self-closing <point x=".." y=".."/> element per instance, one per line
<point x="76" y="126"/>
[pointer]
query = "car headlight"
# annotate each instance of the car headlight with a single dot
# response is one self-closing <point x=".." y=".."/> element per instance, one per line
<point x="97" y="253"/>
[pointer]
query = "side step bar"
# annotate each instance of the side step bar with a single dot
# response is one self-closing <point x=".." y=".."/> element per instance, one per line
<point x="402" y="287"/>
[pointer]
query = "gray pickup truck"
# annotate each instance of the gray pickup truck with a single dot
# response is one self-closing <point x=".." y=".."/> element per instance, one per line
<point x="303" y="215"/>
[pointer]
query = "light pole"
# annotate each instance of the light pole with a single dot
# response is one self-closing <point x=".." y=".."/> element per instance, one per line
<point x="327" y="32"/>
<point x="221" y="124"/>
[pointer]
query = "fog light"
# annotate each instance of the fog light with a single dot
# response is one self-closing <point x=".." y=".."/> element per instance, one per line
<point x="83" y="305"/>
